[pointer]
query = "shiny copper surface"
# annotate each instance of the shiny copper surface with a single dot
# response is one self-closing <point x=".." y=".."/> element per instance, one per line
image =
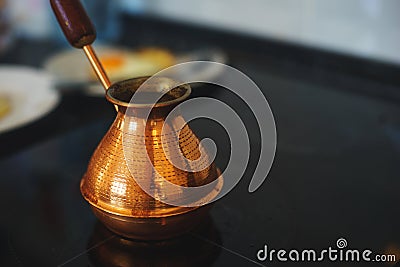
<point x="97" y="66"/>
<point x="152" y="228"/>
<point x="108" y="185"/>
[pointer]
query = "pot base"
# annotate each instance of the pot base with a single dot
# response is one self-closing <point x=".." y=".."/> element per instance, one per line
<point x="150" y="229"/>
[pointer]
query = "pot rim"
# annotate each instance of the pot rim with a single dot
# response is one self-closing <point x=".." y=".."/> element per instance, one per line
<point x="112" y="93"/>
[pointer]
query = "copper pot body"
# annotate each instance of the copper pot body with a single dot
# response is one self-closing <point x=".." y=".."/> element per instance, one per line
<point x="113" y="193"/>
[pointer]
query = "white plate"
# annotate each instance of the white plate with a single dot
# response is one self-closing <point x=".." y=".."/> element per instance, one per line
<point x="30" y="93"/>
<point x="71" y="65"/>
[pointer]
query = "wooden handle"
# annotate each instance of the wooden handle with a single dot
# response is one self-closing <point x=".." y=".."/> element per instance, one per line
<point x="74" y="21"/>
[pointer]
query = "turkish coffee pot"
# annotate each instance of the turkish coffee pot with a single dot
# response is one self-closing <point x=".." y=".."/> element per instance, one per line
<point x="109" y="184"/>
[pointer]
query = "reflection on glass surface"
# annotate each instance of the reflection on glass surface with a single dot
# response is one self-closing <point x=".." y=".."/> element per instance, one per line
<point x="193" y="249"/>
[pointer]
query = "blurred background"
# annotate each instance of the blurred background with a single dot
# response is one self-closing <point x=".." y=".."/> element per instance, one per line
<point x="365" y="28"/>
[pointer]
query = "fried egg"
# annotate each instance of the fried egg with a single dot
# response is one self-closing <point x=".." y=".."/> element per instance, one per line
<point x="5" y="106"/>
<point x="121" y="65"/>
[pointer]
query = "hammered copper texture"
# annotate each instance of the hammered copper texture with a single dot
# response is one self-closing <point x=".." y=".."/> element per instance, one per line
<point x="108" y="184"/>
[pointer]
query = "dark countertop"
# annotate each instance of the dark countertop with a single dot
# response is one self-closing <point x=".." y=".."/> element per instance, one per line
<point x="336" y="172"/>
